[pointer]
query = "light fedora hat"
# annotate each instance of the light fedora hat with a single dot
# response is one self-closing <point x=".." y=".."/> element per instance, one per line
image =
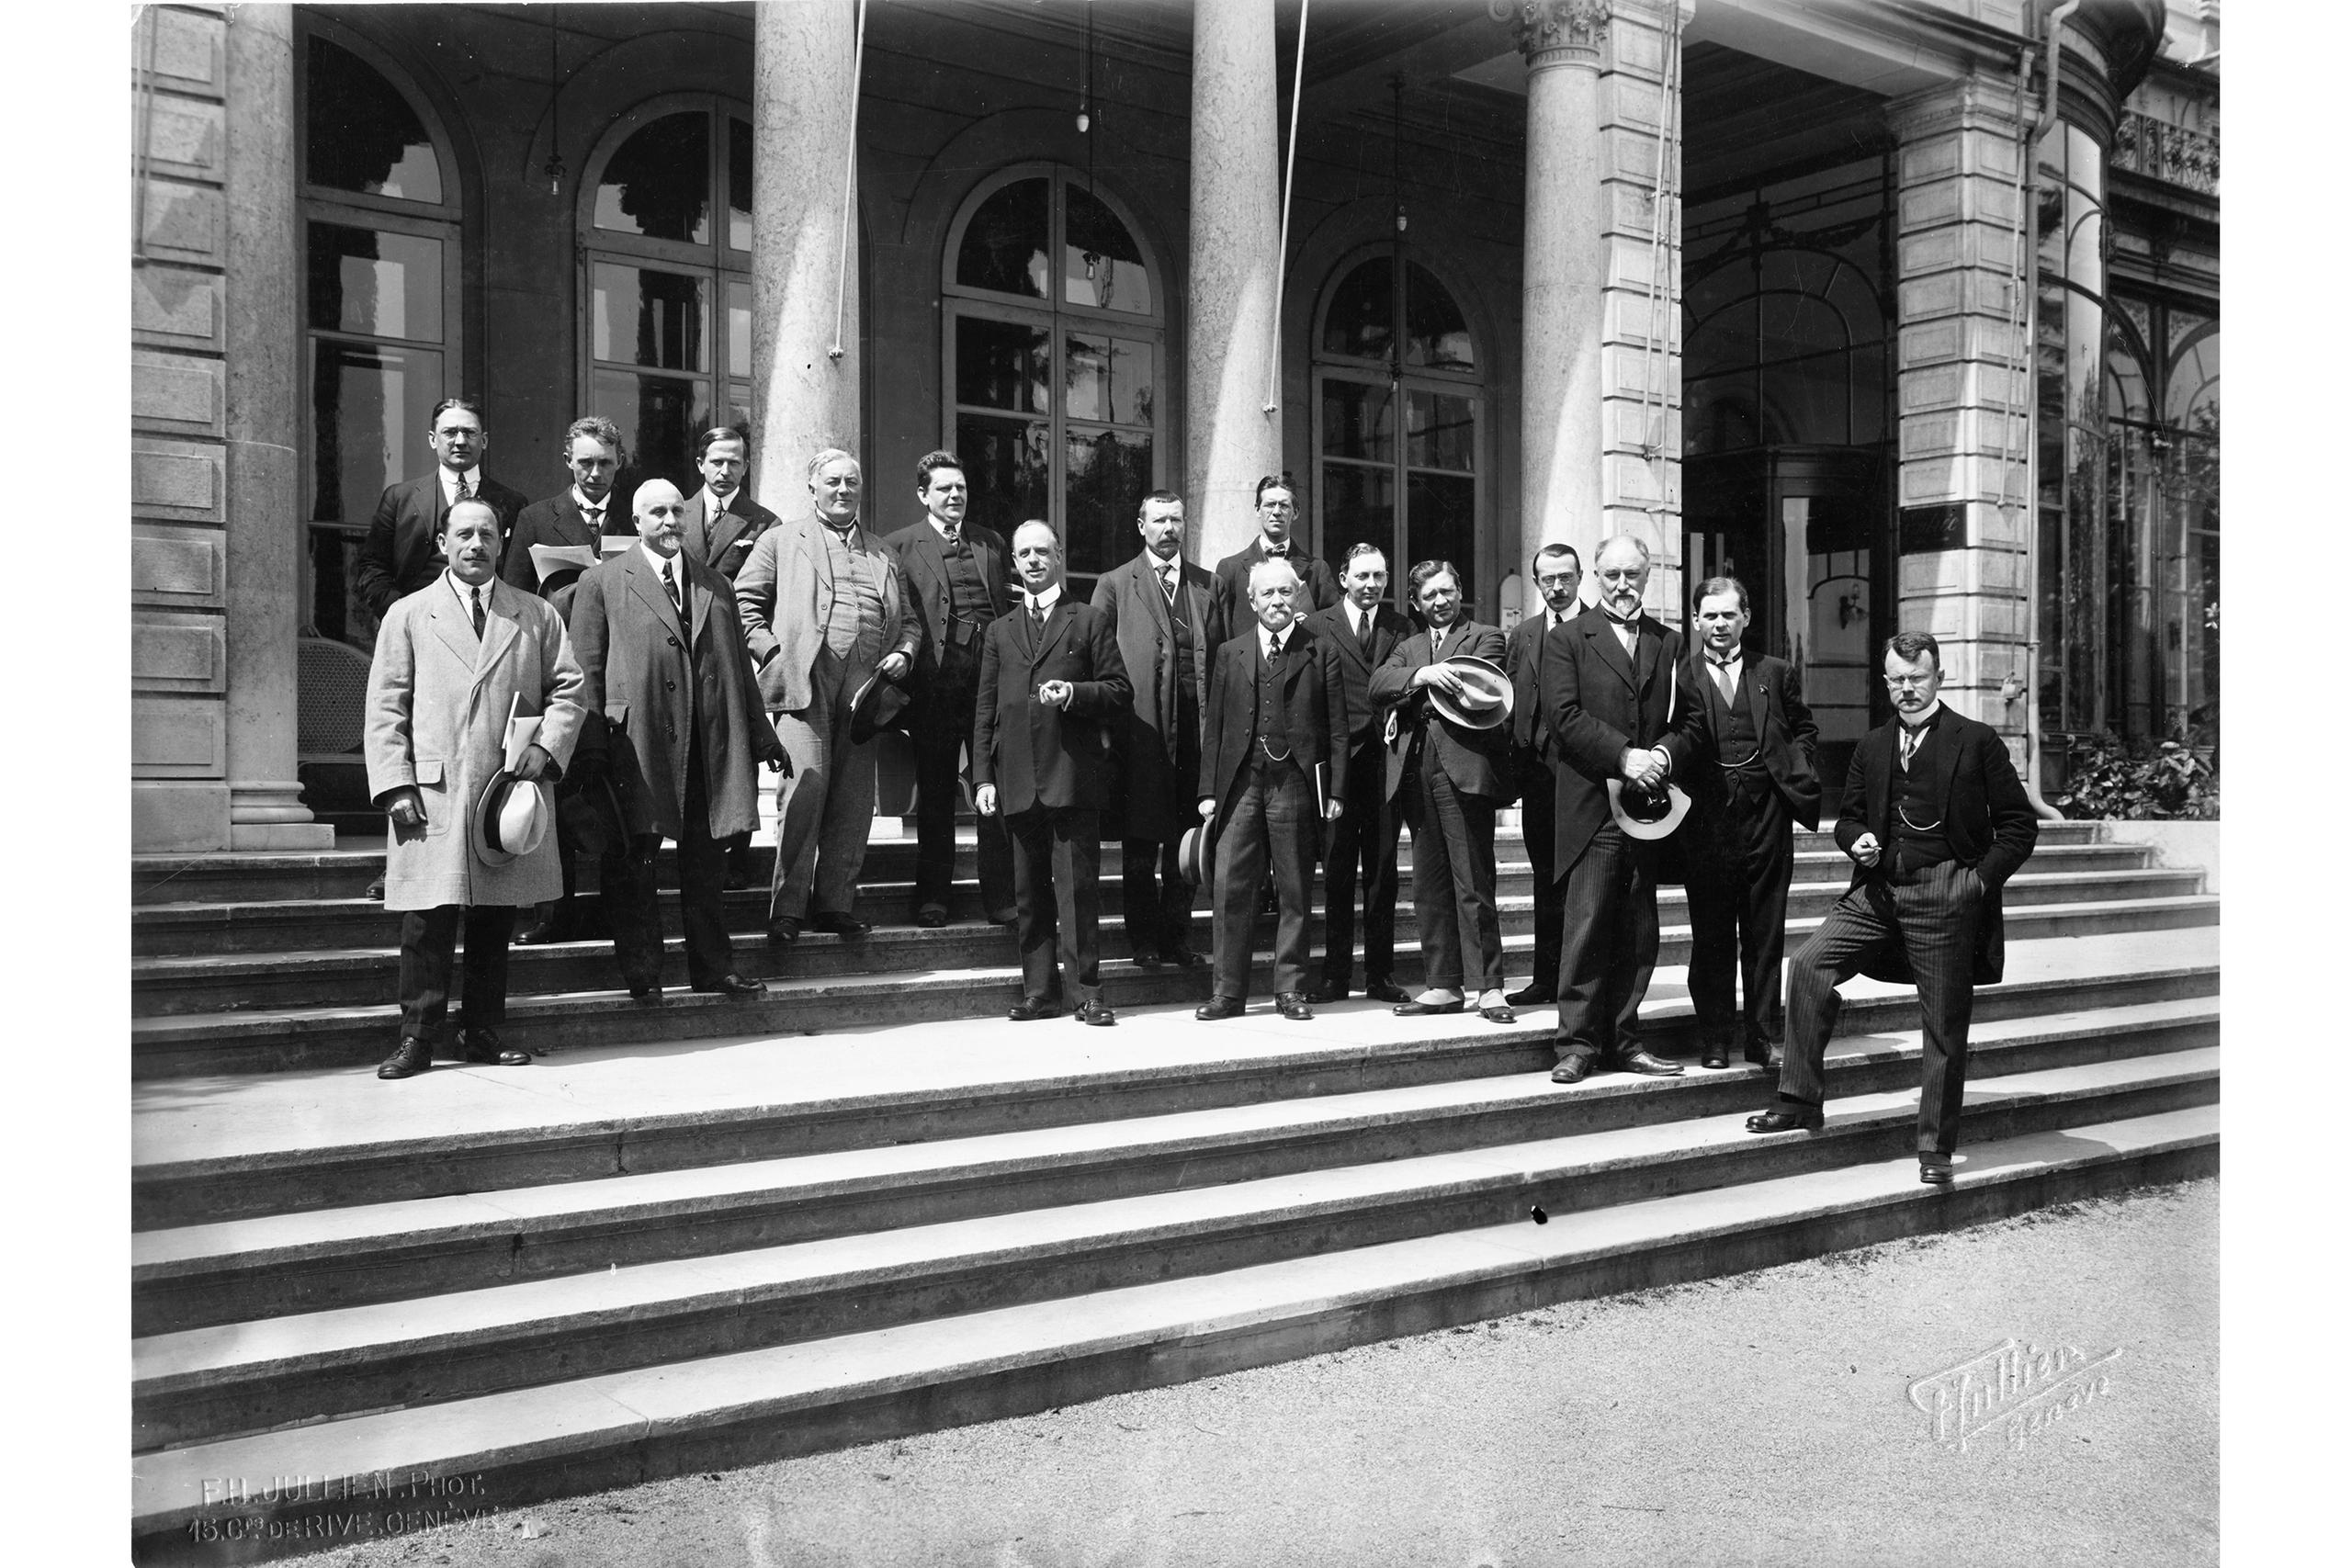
<point x="1644" y="815"/>
<point x="511" y="819"/>
<point x="1486" y="696"/>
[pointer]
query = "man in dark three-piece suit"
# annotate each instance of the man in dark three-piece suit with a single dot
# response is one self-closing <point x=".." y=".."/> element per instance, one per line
<point x="1277" y="726"/>
<point x="1360" y="855"/>
<point x="1937" y="822"/>
<point x="401" y="553"/>
<point x="1609" y="686"/>
<point x="1739" y="849"/>
<point x="673" y="705"/>
<point x="1051" y="688"/>
<point x="1277" y="506"/>
<point x="1170" y="629"/>
<point x="953" y="572"/>
<point x="1446" y="780"/>
<point x="1534" y="751"/>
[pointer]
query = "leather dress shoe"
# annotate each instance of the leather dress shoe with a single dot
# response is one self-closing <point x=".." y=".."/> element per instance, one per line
<point x="1326" y="993"/>
<point x="1385" y="990"/>
<point x="1292" y="1005"/>
<point x="735" y="986"/>
<point x="482" y="1048"/>
<point x="1572" y="1069"/>
<point x="1220" y="1006"/>
<point x="1530" y="995"/>
<point x="1181" y="957"/>
<point x="1499" y="1015"/>
<point x="647" y="992"/>
<point x="1786" y="1119"/>
<point x="1004" y="917"/>
<point x="840" y="924"/>
<point x="1145" y="958"/>
<point x="1936" y="1169"/>
<point x="933" y="916"/>
<point x="1714" y="1054"/>
<point x="1426" y="1010"/>
<point x="546" y="932"/>
<point x="1030" y="1008"/>
<point x="375" y="891"/>
<point x="1097" y="1013"/>
<point x="1764" y="1054"/>
<point x="412" y="1058"/>
<point x="1640" y="1061"/>
<point x="783" y="931"/>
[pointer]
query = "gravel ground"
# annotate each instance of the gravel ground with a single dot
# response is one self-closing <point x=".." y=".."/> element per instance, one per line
<point x="1764" y="1418"/>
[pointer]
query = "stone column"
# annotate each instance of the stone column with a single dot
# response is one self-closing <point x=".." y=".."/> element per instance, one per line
<point x="803" y="102"/>
<point x="264" y="406"/>
<point x="1560" y="375"/>
<point x="1229" y="440"/>
<point x="1961" y="553"/>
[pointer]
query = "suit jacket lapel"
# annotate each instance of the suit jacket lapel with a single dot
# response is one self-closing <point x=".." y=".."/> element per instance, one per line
<point x="1057" y="621"/>
<point x="1946" y="738"/>
<point x="498" y="629"/>
<point x="1649" y="639"/>
<point x="575" y="524"/>
<point x="647" y="587"/>
<point x="1759" y="699"/>
<point x="1603" y="634"/>
<point x="450" y="624"/>
<point x="1147" y="586"/>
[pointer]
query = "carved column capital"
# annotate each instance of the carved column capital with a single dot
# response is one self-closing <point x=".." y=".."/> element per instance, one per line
<point x="1552" y="32"/>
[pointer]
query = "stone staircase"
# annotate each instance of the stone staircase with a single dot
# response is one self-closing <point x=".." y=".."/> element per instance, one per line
<point x="710" y="1232"/>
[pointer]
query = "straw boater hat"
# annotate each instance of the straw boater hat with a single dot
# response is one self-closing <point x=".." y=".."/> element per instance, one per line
<point x="1486" y="696"/>
<point x="1194" y="858"/>
<point x="1647" y="814"/>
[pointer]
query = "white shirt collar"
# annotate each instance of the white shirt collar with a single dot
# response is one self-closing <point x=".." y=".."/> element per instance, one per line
<point x="465" y="592"/>
<point x="1738" y="656"/>
<point x="1934" y="708"/>
<point x="712" y="505"/>
<point x="655" y="559"/>
<point x="1043" y="604"/>
<point x="1266" y="549"/>
<point x="941" y="528"/>
<point x="449" y="483"/>
<point x="595" y="508"/>
<point x="1358" y="618"/>
<point x="1271" y="643"/>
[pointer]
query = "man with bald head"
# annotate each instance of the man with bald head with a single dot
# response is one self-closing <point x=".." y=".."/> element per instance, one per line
<point x="824" y="609"/>
<point x="675" y="713"/>
<point x="1609" y="685"/>
<point x="1052" y="689"/>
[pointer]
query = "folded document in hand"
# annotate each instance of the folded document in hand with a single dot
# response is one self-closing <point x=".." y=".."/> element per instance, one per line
<point x="549" y="561"/>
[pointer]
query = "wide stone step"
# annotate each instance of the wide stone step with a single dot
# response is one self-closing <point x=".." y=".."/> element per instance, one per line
<point x="346" y="872"/>
<point x="240" y="1145"/>
<point x="202" y="1275"/>
<point x="202" y="1384"/>
<point x="615" y="1427"/>
<point x="161" y="986"/>
<point x="278" y="924"/>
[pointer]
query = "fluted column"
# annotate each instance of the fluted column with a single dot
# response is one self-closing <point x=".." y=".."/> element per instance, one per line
<point x="803" y="100"/>
<point x="1230" y="441"/>
<point x="1561" y="439"/>
<point x="263" y="408"/>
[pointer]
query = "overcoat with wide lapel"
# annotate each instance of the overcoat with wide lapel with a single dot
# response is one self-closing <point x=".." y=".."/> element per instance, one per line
<point x="1159" y="774"/>
<point x="1600" y="702"/>
<point x="438" y="698"/>
<point x="652" y="696"/>
<point x="1988" y="820"/>
<point x="1769" y="687"/>
<point x="1315" y="697"/>
<point x="1476" y="760"/>
<point x="726" y="547"/>
<point x="785" y="595"/>
<point x="1037" y="756"/>
<point x="399" y="555"/>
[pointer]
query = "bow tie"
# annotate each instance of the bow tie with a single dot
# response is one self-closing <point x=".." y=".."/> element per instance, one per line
<point x="1633" y="624"/>
<point x="1722" y="663"/>
<point x="1276" y="552"/>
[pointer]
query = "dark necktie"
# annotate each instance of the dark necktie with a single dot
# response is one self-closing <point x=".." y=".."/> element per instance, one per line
<point x="1037" y="620"/>
<point x="465" y="486"/>
<point x="670" y="586"/>
<point x="479" y="618"/>
<point x="1168" y="582"/>
<point x="1363" y="634"/>
<point x="954" y="542"/>
<point x="595" y="518"/>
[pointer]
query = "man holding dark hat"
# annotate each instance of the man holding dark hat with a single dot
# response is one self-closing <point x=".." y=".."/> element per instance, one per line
<point x="474" y="704"/>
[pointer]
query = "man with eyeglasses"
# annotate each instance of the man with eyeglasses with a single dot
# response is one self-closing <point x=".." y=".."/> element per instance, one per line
<point x="1559" y="572"/>
<point x="1609" y="686"/>
<point x="401" y="552"/>
<point x="1937" y="822"/>
<point x="1277" y="506"/>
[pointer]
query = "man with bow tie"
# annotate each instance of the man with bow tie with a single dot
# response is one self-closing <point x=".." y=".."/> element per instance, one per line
<point x="1360" y="856"/>
<point x="675" y="713"/>
<point x="1170" y="628"/>
<point x="1937" y="823"/>
<point x="1051" y="687"/>
<point x="1277" y="515"/>
<point x="1739" y="849"/>
<point x="1609" y="685"/>
<point x="954" y="575"/>
<point x="1277" y="729"/>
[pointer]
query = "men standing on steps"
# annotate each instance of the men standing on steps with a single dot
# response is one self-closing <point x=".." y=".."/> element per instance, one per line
<point x="453" y="664"/>
<point x="401" y="553"/>
<point x="671" y="689"/>
<point x="1277" y="729"/>
<point x="1608" y="688"/>
<point x="1738" y="847"/>
<point x="824" y="612"/>
<point x="1558" y="572"/>
<point x="1937" y="823"/>
<point x="1361" y="848"/>
<point x="721" y="525"/>
<point x="1170" y="628"/>
<point x="577" y="518"/>
<point x="954" y="573"/>
<point x="1447" y="777"/>
<point x="1051" y="687"/>
<point x="1277" y="515"/>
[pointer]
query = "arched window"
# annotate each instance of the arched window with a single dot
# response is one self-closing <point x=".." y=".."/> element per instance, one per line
<point x="1398" y="408"/>
<point x="666" y="292"/>
<point x="1784" y="346"/>
<point x="380" y="302"/>
<point x="1054" y="359"/>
